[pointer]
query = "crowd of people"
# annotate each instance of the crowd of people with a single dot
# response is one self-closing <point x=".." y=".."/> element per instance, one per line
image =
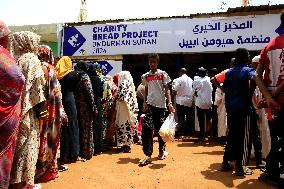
<point x="56" y="112"/>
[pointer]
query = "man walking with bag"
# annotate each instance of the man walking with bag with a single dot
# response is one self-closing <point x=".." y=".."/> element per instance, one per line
<point x="156" y="94"/>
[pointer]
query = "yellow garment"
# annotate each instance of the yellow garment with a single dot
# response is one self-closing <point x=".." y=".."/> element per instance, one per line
<point x="63" y="67"/>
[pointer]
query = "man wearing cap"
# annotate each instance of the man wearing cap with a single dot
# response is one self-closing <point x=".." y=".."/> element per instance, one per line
<point x="271" y="63"/>
<point x="252" y="133"/>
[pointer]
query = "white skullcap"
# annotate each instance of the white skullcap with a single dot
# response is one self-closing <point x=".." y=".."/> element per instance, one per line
<point x="256" y="59"/>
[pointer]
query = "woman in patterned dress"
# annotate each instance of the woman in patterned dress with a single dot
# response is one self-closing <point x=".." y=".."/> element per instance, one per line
<point x="12" y="84"/>
<point x="24" y="47"/>
<point x="86" y="110"/>
<point x="95" y="75"/>
<point x="50" y="129"/>
<point x="126" y="111"/>
<point x="111" y="114"/>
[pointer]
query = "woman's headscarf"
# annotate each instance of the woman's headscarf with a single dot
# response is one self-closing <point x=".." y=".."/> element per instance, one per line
<point x="115" y="79"/>
<point x="4" y="30"/>
<point x="126" y="88"/>
<point x="24" y="42"/>
<point x="45" y="54"/>
<point x="24" y="45"/>
<point x="82" y="67"/>
<point x="63" y="67"/>
<point x="95" y="70"/>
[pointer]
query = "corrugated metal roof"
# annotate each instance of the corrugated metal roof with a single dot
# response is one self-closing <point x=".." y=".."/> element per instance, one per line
<point x="248" y="10"/>
<point x="266" y="8"/>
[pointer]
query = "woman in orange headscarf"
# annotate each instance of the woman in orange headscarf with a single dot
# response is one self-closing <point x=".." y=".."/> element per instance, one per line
<point x="69" y="143"/>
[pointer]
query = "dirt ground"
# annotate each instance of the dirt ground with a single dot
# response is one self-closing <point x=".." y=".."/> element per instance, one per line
<point x="188" y="166"/>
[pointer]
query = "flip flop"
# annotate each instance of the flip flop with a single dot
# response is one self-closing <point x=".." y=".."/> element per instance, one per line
<point x="62" y="168"/>
<point x="245" y="171"/>
<point x="74" y="160"/>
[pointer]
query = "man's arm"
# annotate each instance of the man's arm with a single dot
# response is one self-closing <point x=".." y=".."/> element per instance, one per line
<point x="169" y="100"/>
<point x="252" y="87"/>
<point x="145" y="107"/>
<point x="174" y="87"/>
<point x="263" y="89"/>
<point x="214" y="82"/>
<point x="278" y="90"/>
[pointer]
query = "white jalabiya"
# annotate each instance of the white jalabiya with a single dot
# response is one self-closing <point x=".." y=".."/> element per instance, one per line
<point x="262" y="123"/>
<point x="221" y="111"/>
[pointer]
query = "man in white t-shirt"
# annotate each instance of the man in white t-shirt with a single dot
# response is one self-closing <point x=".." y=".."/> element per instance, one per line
<point x="182" y="88"/>
<point x="156" y="94"/>
<point x="203" y="100"/>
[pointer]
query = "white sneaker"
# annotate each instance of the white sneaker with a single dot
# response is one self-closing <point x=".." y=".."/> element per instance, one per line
<point x="163" y="155"/>
<point x="145" y="161"/>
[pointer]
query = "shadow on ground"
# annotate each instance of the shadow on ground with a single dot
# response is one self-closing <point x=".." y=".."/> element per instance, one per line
<point x="128" y="160"/>
<point x="227" y="178"/>
<point x="196" y="143"/>
<point x="254" y="183"/>
<point x="213" y="174"/>
<point x="152" y="165"/>
<point x="212" y="153"/>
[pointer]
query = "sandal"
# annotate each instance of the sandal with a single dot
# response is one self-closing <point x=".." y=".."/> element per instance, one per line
<point x="127" y="149"/>
<point x="163" y="155"/>
<point x="120" y="150"/>
<point x="247" y="171"/>
<point x="145" y="161"/>
<point x="62" y="168"/>
<point x="96" y="153"/>
<point x="51" y="175"/>
<point x="78" y="159"/>
<point x="244" y="171"/>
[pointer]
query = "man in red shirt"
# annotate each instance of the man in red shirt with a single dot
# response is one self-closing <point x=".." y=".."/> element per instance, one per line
<point x="219" y="78"/>
<point x="271" y="63"/>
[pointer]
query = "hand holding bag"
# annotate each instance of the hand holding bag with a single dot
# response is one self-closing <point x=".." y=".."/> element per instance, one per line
<point x="167" y="130"/>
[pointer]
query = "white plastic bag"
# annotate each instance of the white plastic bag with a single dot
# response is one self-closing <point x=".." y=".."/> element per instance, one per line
<point x="167" y="130"/>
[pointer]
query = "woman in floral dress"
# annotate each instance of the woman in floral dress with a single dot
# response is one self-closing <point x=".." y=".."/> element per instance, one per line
<point x="126" y="111"/>
<point x="50" y="128"/>
<point x="24" y="48"/>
